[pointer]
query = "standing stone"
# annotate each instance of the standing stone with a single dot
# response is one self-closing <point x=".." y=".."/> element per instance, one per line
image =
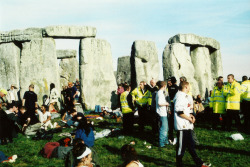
<point x="144" y="62"/>
<point x="69" y="71"/>
<point x="9" y="65"/>
<point x="202" y="65"/>
<point x="216" y="64"/>
<point x="123" y="70"/>
<point x="177" y="62"/>
<point x="98" y="83"/>
<point x="39" y="66"/>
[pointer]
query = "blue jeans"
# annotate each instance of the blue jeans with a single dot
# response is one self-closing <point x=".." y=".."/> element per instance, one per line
<point x="98" y="109"/>
<point x="163" y="133"/>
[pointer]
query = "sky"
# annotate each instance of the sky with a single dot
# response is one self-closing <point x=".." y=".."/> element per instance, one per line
<point x="122" y="22"/>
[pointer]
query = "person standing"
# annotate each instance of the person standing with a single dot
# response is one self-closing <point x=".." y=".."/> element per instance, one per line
<point x="172" y="90"/>
<point x="184" y="124"/>
<point x="30" y="102"/>
<point x="140" y="96"/>
<point x="217" y="103"/>
<point x="232" y="92"/>
<point x="53" y="98"/>
<point x="153" y="116"/>
<point x="12" y="94"/>
<point x="245" y="105"/>
<point x="127" y="110"/>
<point x="161" y="109"/>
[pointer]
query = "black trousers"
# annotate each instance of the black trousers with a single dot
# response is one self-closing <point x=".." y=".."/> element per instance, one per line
<point x="142" y="111"/>
<point x="233" y="114"/>
<point x="171" y="123"/>
<point x="216" y="120"/>
<point x="185" y="140"/>
<point x="245" y="108"/>
<point x="128" y="122"/>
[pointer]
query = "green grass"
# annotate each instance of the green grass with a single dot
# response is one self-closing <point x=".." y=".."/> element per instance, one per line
<point x="215" y="147"/>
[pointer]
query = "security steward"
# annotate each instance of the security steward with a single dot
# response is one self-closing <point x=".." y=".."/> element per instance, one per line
<point x="232" y="92"/>
<point x="140" y="97"/>
<point x="127" y="110"/>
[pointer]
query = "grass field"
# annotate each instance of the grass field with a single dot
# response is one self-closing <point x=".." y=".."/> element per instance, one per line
<point x="215" y="147"/>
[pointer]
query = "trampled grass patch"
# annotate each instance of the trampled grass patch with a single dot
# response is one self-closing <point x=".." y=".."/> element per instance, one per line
<point x="215" y="147"/>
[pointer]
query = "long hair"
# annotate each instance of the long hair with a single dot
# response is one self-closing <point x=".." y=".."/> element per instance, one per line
<point x="78" y="150"/>
<point x="52" y="85"/>
<point x="128" y="154"/>
<point x="83" y="124"/>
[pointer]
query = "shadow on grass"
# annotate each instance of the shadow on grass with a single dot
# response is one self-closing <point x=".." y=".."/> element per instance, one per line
<point x="144" y="158"/>
<point x="223" y="149"/>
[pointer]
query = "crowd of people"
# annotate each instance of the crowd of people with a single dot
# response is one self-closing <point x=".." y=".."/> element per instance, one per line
<point x="165" y="106"/>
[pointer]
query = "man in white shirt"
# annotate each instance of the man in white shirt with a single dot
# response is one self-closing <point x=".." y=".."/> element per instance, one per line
<point x="44" y="117"/>
<point x="184" y="125"/>
<point x="161" y="109"/>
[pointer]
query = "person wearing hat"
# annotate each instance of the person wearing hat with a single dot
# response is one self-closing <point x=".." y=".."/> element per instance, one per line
<point x="3" y="103"/>
<point x="12" y="94"/>
<point x="30" y="102"/>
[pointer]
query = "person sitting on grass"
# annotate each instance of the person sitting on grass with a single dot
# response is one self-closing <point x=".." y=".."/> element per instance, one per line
<point x="44" y="117"/>
<point x="129" y="156"/>
<point x="66" y="119"/>
<point x="82" y="155"/>
<point x="85" y="132"/>
<point x="24" y="118"/>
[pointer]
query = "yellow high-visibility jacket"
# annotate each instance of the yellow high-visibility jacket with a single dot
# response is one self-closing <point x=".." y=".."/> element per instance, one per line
<point x="141" y="99"/>
<point x="124" y="103"/>
<point x="245" y="88"/>
<point x="232" y="93"/>
<point x="217" y="101"/>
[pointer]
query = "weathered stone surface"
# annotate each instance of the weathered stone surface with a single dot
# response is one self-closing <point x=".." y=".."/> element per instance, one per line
<point x="192" y="39"/>
<point x="9" y="65"/>
<point x="21" y="35"/>
<point x="202" y="64"/>
<point x="216" y="64"/>
<point x="65" y="54"/>
<point x="73" y="32"/>
<point x="177" y="62"/>
<point x="123" y="70"/>
<point x="98" y="83"/>
<point x="144" y="62"/>
<point x="69" y="71"/>
<point x="39" y="66"/>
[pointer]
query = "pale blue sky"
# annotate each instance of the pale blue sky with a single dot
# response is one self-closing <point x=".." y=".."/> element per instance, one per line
<point x="122" y="22"/>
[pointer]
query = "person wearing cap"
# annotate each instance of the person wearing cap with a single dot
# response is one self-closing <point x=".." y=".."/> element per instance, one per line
<point x="30" y="102"/>
<point x="12" y="94"/>
<point x="3" y="102"/>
